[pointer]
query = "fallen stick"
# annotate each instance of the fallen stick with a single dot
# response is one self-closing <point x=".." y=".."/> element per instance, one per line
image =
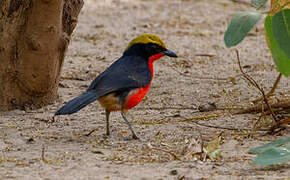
<point x="258" y="108"/>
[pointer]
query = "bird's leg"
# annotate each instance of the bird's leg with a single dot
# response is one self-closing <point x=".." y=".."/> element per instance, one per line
<point x="130" y="127"/>
<point x="108" y="123"/>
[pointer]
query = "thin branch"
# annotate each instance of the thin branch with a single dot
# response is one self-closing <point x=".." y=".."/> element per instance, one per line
<point x="205" y="55"/>
<point x="254" y="83"/>
<point x="262" y="115"/>
<point x="272" y="89"/>
<point x="88" y="134"/>
<point x="258" y="108"/>
<point x="42" y="154"/>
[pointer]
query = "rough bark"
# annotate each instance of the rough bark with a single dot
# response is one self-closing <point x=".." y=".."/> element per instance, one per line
<point x="34" y="35"/>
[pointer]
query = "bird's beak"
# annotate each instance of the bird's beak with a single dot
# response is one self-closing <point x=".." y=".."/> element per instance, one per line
<point x="169" y="53"/>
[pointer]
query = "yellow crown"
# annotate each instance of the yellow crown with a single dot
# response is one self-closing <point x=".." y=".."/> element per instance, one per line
<point x="147" y="38"/>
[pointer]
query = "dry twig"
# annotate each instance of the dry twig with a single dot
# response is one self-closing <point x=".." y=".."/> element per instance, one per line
<point x="259" y="119"/>
<point x="258" y="108"/>
<point x="42" y="154"/>
<point x="88" y="134"/>
<point x="271" y="91"/>
<point x="205" y="55"/>
<point x="255" y="84"/>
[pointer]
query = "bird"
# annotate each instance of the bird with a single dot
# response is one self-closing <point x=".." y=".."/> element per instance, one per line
<point x="125" y="82"/>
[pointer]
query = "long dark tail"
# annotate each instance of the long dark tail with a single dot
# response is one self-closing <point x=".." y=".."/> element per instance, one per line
<point x="78" y="103"/>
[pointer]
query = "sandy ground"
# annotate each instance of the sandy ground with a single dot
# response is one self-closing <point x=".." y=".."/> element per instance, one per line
<point x="34" y="147"/>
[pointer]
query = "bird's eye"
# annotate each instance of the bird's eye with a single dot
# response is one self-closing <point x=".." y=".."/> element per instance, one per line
<point x="155" y="46"/>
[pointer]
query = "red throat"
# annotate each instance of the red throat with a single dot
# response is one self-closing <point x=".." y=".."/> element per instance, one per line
<point x="135" y="96"/>
<point x="151" y="60"/>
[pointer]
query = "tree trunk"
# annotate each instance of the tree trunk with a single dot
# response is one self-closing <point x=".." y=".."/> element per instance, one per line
<point x="34" y="35"/>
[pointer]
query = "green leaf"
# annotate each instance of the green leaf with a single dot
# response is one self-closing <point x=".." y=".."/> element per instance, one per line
<point x="258" y="3"/>
<point x="281" y="60"/>
<point x="270" y="145"/>
<point x="281" y="30"/>
<point x="239" y="27"/>
<point x="273" y="156"/>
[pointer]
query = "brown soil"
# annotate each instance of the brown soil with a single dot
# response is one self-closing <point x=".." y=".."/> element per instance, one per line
<point x="34" y="147"/>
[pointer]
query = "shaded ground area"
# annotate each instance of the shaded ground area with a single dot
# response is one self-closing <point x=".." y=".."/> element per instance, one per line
<point x="34" y="147"/>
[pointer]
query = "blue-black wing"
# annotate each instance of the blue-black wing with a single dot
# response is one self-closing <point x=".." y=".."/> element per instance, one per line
<point x="126" y="73"/>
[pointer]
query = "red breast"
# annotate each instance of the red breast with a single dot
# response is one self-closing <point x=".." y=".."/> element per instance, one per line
<point x="135" y="96"/>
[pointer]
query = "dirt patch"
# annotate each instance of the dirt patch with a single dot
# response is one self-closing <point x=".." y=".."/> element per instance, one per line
<point x="35" y="148"/>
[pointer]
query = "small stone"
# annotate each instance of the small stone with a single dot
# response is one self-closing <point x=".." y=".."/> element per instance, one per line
<point x="30" y="140"/>
<point x="207" y="107"/>
<point x="174" y="172"/>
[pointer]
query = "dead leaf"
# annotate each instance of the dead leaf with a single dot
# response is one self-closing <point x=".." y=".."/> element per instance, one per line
<point x="213" y="148"/>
